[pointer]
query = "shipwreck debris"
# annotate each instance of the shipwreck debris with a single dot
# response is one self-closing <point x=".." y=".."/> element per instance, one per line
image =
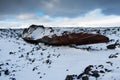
<point x="38" y="33"/>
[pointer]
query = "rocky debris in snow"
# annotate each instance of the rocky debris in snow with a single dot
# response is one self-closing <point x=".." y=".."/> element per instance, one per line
<point x="36" y="34"/>
<point x="85" y="78"/>
<point x="110" y="63"/>
<point x="12" y="78"/>
<point x="90" y="71"/>
<point x="48" y="61"/>
<point x="88" y="48"/>
<point x="6" y="72"/>
<point x="24" y="55"/>
<point x="70" y="77"/>
<point x="114" y="55"/>
<point x="111" y="46"/>
<point x="11" y="53"/>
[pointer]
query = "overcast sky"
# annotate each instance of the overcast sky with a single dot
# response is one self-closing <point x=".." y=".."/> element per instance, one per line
<point x="21" y="13"/>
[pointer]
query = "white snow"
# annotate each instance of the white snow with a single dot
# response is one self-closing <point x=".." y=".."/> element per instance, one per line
<point x="63" y="60"/>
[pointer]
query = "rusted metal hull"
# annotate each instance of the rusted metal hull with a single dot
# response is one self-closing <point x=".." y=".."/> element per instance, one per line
<point x="68" y="39"/>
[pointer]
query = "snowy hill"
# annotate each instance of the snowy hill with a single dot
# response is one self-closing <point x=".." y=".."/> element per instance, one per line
<point x="20" y="60"/>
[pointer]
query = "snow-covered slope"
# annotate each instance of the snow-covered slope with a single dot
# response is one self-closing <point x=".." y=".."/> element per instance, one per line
<point x="23" y="61"/>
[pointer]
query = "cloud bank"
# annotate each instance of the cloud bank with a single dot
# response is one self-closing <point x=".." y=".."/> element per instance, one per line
<point x="60" y="12"/>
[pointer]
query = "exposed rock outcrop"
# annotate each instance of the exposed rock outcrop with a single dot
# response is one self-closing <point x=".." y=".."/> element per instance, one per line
<point x="36" y="34"/>
<point x="94" y="71"/>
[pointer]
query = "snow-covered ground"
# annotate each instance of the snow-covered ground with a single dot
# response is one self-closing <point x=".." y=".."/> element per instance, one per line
<point x="23" y="61"/>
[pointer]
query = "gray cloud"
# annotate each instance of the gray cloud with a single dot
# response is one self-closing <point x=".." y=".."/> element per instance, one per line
<point x="18" y="6"/>
<point x="70" y="8"/>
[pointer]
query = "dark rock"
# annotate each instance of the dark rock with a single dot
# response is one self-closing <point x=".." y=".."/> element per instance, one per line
<point x="40" y="76"/>
<point x="35" y="68"/>
<point x="107" y="70"/>
<point x="6" y="72"/>
<point x="101" y="71"/>
<point x="69" y="77"/>
<point x="111" y="46"/>
<point x="110" y="63"/>
<point x="113" y="55"/>
<point x="88" y="69"/>
<point x="95" y="74"/>
<point x="11" y="53"/>
<point x="48" y="56"/>
<point x="101" y="66"/>
<point x="80" y="75"/>
<point x="38" y="72"/>
<point x="67" y="70"/>
<point x="21" y="56"/>
<point x="12" y="78"/>
<point x="48" y="61"/>
<point x="85" y="78"/>
<point x="7" y="63"/>
<point x="1" y="64"/>
<point x="41" y="53"/>
<point x="13" y="70"/>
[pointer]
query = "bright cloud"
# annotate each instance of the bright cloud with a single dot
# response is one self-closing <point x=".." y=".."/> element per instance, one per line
<point x="93" y="18"/>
